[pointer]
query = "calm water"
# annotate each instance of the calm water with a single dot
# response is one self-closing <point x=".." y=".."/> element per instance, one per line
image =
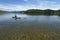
<point x="46" y="23"/>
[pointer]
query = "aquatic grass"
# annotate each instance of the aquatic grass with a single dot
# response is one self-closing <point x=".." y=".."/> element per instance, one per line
<point x="27" y="33"/>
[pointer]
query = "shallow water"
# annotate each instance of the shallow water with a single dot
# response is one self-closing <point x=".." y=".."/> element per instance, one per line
<point x="29" y="27"/>
<point x="48" y="23"/>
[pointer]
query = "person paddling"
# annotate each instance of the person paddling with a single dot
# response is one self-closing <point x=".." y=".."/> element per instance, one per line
<point x="15" y="16"/>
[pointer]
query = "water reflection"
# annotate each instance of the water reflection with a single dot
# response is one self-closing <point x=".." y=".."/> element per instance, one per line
<point x="30" y="20"/>
<point x="8" y="16"/>
<point x="44" y="23"/>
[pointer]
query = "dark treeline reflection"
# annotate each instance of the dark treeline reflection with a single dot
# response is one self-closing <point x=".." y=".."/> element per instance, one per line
<point x="42" y="12"/>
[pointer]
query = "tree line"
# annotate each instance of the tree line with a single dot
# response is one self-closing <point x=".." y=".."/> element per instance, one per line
<point x="1" y="11"/>
<point x="42" y="12"/>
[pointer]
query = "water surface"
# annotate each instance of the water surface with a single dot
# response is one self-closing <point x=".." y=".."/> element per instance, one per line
<point x="51" y="23"/>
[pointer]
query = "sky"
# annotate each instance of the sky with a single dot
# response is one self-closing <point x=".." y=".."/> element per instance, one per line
<point x="18" y="5"/>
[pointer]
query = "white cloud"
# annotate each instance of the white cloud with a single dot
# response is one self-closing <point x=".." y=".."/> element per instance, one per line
<point x="41" y="4"/>
<point x="45" y="4"/>
<point x="16" y="7"/>
<point x="25" y="0"/>
<point x="12" y="7"/>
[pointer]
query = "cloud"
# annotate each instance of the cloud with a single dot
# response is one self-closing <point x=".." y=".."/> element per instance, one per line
<point x="31" y="4"/>
<point x="45" y="4"/>
<point x="16" y="7"/>
<point x="12" y="7"/>
<point x="25" y="0"/>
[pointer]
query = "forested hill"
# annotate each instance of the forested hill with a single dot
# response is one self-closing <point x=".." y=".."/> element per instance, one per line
<point x="42" y="12"/>
<point x="1" y="11"/>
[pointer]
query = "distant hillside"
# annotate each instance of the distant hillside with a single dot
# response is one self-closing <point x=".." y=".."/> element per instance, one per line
<point x="1" y="11"/>
<point x="42" y="12"/>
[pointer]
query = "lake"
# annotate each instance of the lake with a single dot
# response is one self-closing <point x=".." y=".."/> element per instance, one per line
<point x="27" y="23"/>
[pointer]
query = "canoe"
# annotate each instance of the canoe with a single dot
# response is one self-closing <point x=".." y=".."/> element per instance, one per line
<point x="16" y="17"/>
